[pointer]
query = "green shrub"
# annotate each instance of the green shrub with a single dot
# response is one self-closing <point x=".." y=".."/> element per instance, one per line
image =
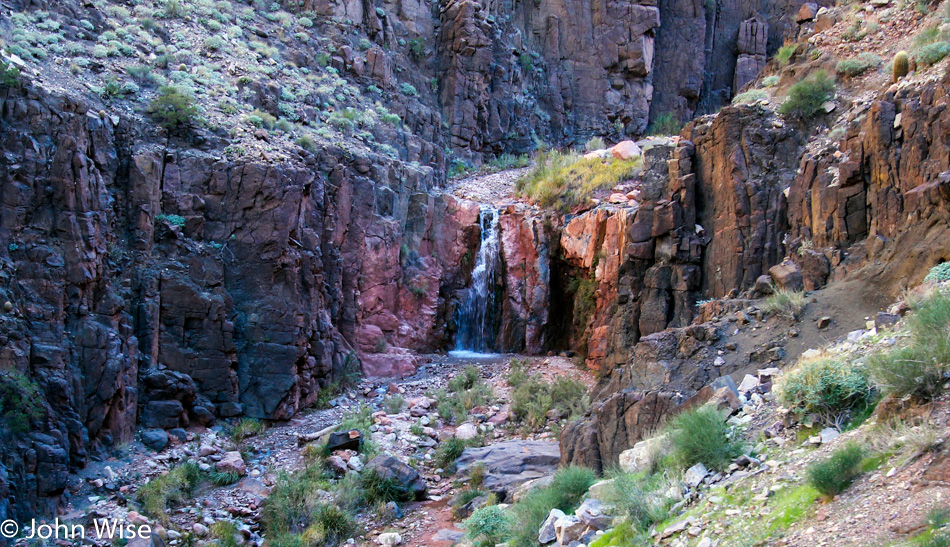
<point x="665" y="124"/>
<point x="940" y="272"/>
<point x="858" y="65"/>
<point x="919" y="367"/>
<point x="467" y="379"/>
<point x="784" y="54"/>
<point x="226" y="532"/>
<point x="828" y="386"/>
<point x="9" y="75"/>
<point x="223" y="478"/>
<point x="394" y="403"/>
<point x="161" y="493"/>
<point x="172" y="109"/>
<point x="568" y="487"/>
<point x="806" y="96"/>
<point x="451" y="449"/>
<point x="408" y="89"/>
<point x="361" y="419"/>
<point x="751" y="96"/>
<point x="832" y="475"/>
<point x="633" y="497"/>
<point x="595" y="143"/>
<point x="783" y="303"/>
<point x="20" y="400"/>
<point x="534" y="398"/>
<point x="770" y="81"/>
<point x="488" y="525"/>
<point x="565" y="179"/>
<point x="247" y="427"/>
<point x="294" y="515"/>
<point x="375" y="489"/>
<point x="702" y="436"/>
<point x="931" y="54"/>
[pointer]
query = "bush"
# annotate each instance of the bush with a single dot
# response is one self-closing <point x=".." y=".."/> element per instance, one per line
<point x="632" y="498"/>
<point x="564" y="179"/>
<point x="223" y="478"/>
<point x="783" y="303"/>
<point x="172" y="109"/>
<point x="568" y="487"/>
<point x="20" y="401"/>
<point x="408" y="89"/>
<point x="595" y="143"/>
<point x="784" y="54"/>
<point x="702" y="436"/>
<point x="931" y="54"/>
<point x="488" y="525"/>
<point x="920" y="367"/>
<point x="858" y="65"/>
<point x="832" y="475"/>
<point x="940" y="272"/>
<point x="451" y="450"/>
<point x="394" y="403"/>
<point x="468" y="391"/>
<point x="533" y="398"/>
<point x="9" y="75"/>
<point x="665" y="124"/>
<point x="177" y="486"/>
<point x="751" y="96"/>
<point x="828" y="386"/>
<point x="806" y="96"/>
<point x="293" y="514"/>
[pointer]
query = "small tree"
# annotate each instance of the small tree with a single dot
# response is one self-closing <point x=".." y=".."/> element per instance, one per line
<point x="173" y="109"/>
<point x="9" y="75"/>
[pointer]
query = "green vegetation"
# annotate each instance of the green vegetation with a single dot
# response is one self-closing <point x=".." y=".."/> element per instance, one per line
<point x="770" y="81"/>
<point x="361" y="419"/>
<point x="488" y="526"/>
<point x="807" y="95"/>
<point x="408" y="89"/>
<point x="533" y="397"/>
<point x="637" y="498"/>
<point x="930" y="46"/>
<point x="665" y="124"/>
<point x="568" y="487"/>
<point x="394" y="403"/>
<point x="857" y="65"/>
<point x="161" y="493"/>
<point x="9" y="75"/>
<point x="294" y="514"/>
<point x="247" y="427"/>
<point x="702" y="436"/>
<point x="830" y="386"/>
<point x="918" y="367"/>
<point x="939" y="273"/>
<point x="466" y="391"/>
<point x="784" y="54"/>
<point x="563" y="180"/>
<point x="20" y="401"/>
<point x="451" y="450"/>
<point x="936" y="534"/>
<point x="832" y="475"/>
<point x="594" y="143"/>
<point x="751" y="96"/>
<point x="173" y="109"/>
<point x="784" y="303"/>
<point x="223" y="478"/>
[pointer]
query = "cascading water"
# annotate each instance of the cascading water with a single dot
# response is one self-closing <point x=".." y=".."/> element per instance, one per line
<point x="478" y="313"/>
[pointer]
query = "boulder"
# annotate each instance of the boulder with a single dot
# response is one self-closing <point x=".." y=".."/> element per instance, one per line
<point x="787" y="276"/>
<point x="568" y="529"/>
<point x="389" y="539"/>
<point x="626" y="150"/>
<point x="641" y="456"/>
<point x="232" y="462"/>
<point x="407" y="478"/>
<point x="547" y="533"/>
<point x="807" y="12"/>
<point x="156" y="439"/>
<point x="511" y="463"/>
<point x="601" y="489"/>
<point x="724" y="399"/>
<point x="466" y="431"/>
<point x="749" y="382"/>
<point x="694" y="475"/>
<point x="591" y="513"/>
<point x="763" y="285"/>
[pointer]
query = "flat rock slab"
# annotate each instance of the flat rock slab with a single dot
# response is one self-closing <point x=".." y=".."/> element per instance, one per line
<point x="512" y="463"/>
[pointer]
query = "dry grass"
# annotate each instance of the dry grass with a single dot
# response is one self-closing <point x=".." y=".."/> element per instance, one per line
<point x="562" y="180"/>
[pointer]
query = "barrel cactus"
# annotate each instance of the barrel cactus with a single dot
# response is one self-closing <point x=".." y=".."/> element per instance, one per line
<point x="901" y="65"/>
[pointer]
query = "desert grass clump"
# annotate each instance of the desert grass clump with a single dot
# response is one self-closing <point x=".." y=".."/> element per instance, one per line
<point x="901" y="65"/>
<point x="394" y="404"/>
<point x="785" y="303"/>
<point x="702" y="436"/>
<point x="633" y="497"/>
<point x="488" y="526"/>
<point x="295" y="514"/>
<point x="594" y="144"/>
<point x="807" y="95"/>
<point x="247" y="427"/>
<point x="833" y="475"/>
<point x="451" y="450"/>
<point x="784" y="54"/>
<point x="830" y="386"/>
<point x="175" y="487"/>
<point x="534" y="397"/>
<point x="919" y="367"/>
<point x="566" y="179"/>
<point x="857" y="65"/>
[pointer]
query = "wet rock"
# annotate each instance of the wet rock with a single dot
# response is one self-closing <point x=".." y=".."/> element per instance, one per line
<point x="885" y="320"/>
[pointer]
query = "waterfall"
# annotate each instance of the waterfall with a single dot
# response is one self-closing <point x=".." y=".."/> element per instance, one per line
<point x="478" y="312"/>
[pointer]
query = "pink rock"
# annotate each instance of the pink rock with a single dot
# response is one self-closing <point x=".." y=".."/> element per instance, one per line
<point x="232" y="461"/>
<point x="626" y="150"/>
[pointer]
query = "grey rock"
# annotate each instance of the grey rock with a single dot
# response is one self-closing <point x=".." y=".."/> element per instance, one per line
<point x="511" y="463"/>
<point x="694" y="475"/>
<point x="156" y="439"/>
<point x="389" y="467"/>
<point x="591" y="513"/>
<point x="547" y="533"/>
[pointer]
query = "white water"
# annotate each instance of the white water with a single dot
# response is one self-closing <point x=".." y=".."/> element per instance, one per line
<point x="466" y="354"/>
<point x="478" y="311"/>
